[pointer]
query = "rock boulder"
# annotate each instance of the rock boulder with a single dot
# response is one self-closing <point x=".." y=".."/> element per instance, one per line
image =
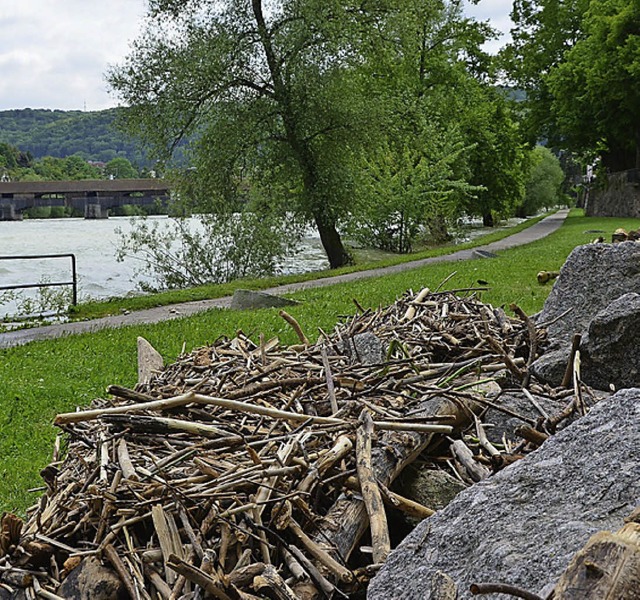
<point x="592" y="277"/>
<point x="523" y="525"/>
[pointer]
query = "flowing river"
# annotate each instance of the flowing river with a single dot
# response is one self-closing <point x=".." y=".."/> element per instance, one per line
<point x="94" y="244"/>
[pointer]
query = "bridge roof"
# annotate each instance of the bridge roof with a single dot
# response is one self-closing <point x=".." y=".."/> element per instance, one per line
<point x="85" y="185"/>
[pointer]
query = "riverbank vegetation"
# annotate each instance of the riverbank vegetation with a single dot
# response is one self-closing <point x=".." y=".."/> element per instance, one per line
<point x="365" y="259"/>
<point x="44" y="378"/>
<point x="383" y="119"/>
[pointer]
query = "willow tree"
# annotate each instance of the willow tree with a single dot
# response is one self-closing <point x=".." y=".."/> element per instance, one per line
<point x="260" y="94"/>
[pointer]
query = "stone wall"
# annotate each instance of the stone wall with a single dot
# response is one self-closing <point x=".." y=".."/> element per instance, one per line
<point x="620" y="198"/>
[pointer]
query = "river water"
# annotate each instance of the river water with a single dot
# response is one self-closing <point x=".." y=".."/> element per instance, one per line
<point x="94" y="244"/>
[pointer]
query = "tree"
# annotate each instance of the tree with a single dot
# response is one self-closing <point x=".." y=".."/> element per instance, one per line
<point x="544" y="31"/>
<point x="120" y="168"/>
<point x="497" y="159"/>
<point x="264" y="99"/>
<point x="580" y="63"/>
<point x="596" y="88"/>
<point x="408" y="188"/>
<point x="543" y="186"/>
<point x="449" y="140"/>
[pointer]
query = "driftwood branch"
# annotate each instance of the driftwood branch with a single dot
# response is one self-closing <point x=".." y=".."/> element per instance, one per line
<point x="370" y="492"/>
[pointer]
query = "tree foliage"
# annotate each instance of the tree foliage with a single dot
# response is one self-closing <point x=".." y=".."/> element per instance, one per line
<point x="596" y="88"/>
<point x="182" y="253"/>
<point x="59" y="133"/>
<point x="580" y="63"/>
<point x="544" y="183"/>
<point x="264" y="96"/>
<point x="120" y="168"/>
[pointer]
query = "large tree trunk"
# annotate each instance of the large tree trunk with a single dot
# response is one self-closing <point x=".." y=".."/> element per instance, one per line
<point x="332" y="244"/>
<point x="329" y="236"/>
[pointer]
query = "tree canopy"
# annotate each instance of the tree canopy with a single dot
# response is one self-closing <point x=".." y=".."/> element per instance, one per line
<point x="580" y="63"/>
<point x="295" y="107"/>
<point x="60" y="133"/>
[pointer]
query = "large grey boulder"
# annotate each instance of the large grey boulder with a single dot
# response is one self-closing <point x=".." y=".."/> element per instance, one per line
<point x="610" y="351"/>
<point x="592" y="278"/>
<point x="251" y="300"/>
<point x="523" y="525"/>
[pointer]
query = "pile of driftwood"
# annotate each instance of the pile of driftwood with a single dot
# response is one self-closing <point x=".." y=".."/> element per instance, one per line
<point x="248" y="470"/>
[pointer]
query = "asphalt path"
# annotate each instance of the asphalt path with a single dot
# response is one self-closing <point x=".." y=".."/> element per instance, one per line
<point x="163" y="313"/>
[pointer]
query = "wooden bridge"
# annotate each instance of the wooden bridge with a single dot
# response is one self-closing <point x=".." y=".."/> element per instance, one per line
<point x="93" y="198"/>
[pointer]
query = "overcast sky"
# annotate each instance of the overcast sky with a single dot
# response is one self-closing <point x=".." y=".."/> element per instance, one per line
<point x="54" y="53"/>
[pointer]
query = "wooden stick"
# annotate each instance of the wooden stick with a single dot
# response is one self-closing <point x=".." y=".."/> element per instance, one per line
<point x="294" y="566"/>
<point x="476" y="471"/>
<point x="320" y="580"/>
<point x="168" y="539"/>
<point x="291" y="416"/>
<point x="43" y="593"/>
<point x="533" y="340"/>
<point x="89" y="415"/>
<point x="330" y="387"/>
<point x="484" y="441"/>
<point x="127" y="394"/>
<point x="340" y="450"/>
<point x="568" y="372"/>
<point x="164" y="425"/>
<point x="577" y="384"/>
<point x="319" y="554"/>
<point x="271" y="580"/>
<point x="111" y="555"/>
<point x="296" y="327"/>
<point x="370" y="493"/>
<point x="411" y="311"/>
<point x="197" y="576"/>
<point x="405" y="505"/>
<point x="124" y="460"/>
<point x="164" y="591"/>
<point x="531" y="435"/>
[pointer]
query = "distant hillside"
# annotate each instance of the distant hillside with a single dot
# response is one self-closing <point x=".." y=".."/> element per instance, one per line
<point x="62" y="133"/>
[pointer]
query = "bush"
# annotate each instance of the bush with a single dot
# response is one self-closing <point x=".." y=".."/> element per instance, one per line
<point x="182" y="252"/>
<point x="543" y="187"/>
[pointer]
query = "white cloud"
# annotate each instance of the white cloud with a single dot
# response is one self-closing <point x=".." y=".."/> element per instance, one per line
<point x="496" y="12"/>
<point x="54" y="53"/>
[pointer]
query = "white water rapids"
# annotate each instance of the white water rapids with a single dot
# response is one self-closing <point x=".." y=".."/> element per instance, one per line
<point x="94" y="244"/>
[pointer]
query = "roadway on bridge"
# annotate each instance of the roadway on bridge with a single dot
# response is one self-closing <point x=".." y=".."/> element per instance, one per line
<point x="163" y="313"/>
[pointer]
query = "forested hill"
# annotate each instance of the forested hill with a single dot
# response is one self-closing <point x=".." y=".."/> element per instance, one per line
<point x="62" y="133"/>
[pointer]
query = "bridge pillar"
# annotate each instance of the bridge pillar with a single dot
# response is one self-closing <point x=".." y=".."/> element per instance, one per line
<point x="8" y="213"/>
<point x="94" y="210"/>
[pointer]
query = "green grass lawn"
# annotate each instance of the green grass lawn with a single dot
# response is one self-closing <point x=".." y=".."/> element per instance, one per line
<point x="41" y="379"/>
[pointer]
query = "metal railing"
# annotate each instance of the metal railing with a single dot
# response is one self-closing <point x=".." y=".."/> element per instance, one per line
<point x="74" y="274"/>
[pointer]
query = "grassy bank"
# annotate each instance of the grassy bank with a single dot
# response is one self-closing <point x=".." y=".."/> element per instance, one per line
<point x="364" y="261"/>
<point x="44" y="378"/>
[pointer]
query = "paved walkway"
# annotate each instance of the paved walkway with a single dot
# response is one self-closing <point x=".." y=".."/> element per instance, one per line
<point x="163" y="313"/>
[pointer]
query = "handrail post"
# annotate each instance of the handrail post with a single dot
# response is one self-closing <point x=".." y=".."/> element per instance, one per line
<point x="74" y="298"/>
<point x="74" y="274"/>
